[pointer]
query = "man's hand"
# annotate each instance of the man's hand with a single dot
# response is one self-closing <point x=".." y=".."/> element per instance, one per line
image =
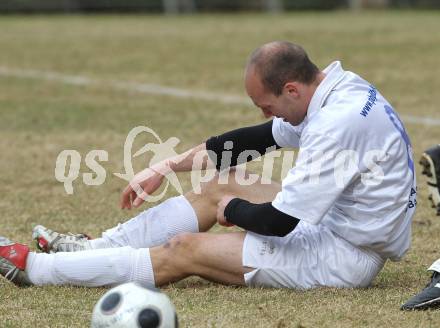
<point x="149" y="180"/>
<point x="143" y="184"/>
<point x="221" y="210"/>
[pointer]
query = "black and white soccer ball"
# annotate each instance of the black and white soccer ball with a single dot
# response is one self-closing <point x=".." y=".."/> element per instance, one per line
<point x="130" y="305"/>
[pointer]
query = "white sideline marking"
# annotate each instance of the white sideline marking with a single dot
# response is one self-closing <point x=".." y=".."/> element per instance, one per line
<point x="144" y="88"/>
<point x="156" y="89"/>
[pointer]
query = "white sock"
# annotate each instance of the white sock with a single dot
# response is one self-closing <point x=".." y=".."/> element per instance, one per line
<point x="152" y="227"/>
<point x="38" y="268"/>
<point x="92" y="268"/>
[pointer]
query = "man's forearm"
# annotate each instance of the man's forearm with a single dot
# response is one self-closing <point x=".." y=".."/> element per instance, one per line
<point x="246" y="143"/>
<point x="258" y="138"/>
<point x="194" y="158"/>
<point x="263" y="219"/>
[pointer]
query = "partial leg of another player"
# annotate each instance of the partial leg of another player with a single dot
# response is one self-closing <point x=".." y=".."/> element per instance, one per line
<point x="430" y="162"/>
<point x="429" y="296"/>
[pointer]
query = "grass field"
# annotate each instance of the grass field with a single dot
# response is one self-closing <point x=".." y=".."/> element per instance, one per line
<point x="397" y="51"/>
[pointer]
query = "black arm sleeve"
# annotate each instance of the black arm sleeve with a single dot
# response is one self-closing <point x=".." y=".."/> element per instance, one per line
<point x="263" y="219"/>
<point x="228" y="146"/>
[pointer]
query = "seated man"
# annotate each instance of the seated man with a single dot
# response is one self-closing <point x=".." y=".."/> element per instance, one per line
<point x="341" y="212"/>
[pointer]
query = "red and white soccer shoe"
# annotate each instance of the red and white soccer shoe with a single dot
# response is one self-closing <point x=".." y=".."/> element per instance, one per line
<point x="13" y="258"/>
<point x="50" y="241"/>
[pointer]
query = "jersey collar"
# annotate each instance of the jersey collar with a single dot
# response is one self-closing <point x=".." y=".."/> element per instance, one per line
<point x="333" y="74"/>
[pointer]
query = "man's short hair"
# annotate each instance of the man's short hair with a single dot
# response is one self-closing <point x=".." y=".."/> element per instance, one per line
<point x="280" y="62"/>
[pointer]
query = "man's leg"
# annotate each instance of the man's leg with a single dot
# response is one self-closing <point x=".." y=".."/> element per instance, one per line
<point x="149" y="228"/>
<point x="217" y="257"/>
<point x="194" y="212"/>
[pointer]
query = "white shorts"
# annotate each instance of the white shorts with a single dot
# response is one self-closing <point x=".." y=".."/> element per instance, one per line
<point x="310" y="256"/>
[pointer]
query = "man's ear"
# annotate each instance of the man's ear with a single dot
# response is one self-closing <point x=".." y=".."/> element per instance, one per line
<point x="292" y="88"/>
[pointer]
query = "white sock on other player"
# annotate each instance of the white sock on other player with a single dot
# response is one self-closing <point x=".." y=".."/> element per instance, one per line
<point x="92" y="268"/>
<point x="152" y="227"/>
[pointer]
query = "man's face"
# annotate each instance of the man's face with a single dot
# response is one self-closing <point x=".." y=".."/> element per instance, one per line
<point x="290" y="105"/>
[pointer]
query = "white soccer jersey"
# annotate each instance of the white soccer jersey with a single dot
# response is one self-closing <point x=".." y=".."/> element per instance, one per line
<point x="355" y="171"/>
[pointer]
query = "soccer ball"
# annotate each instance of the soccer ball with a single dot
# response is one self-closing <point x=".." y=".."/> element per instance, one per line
<point x="130" y="305"/>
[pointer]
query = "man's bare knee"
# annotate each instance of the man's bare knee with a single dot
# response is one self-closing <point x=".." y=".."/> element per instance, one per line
<point x="173" y="260"/>
<point x="181" y="244"/>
